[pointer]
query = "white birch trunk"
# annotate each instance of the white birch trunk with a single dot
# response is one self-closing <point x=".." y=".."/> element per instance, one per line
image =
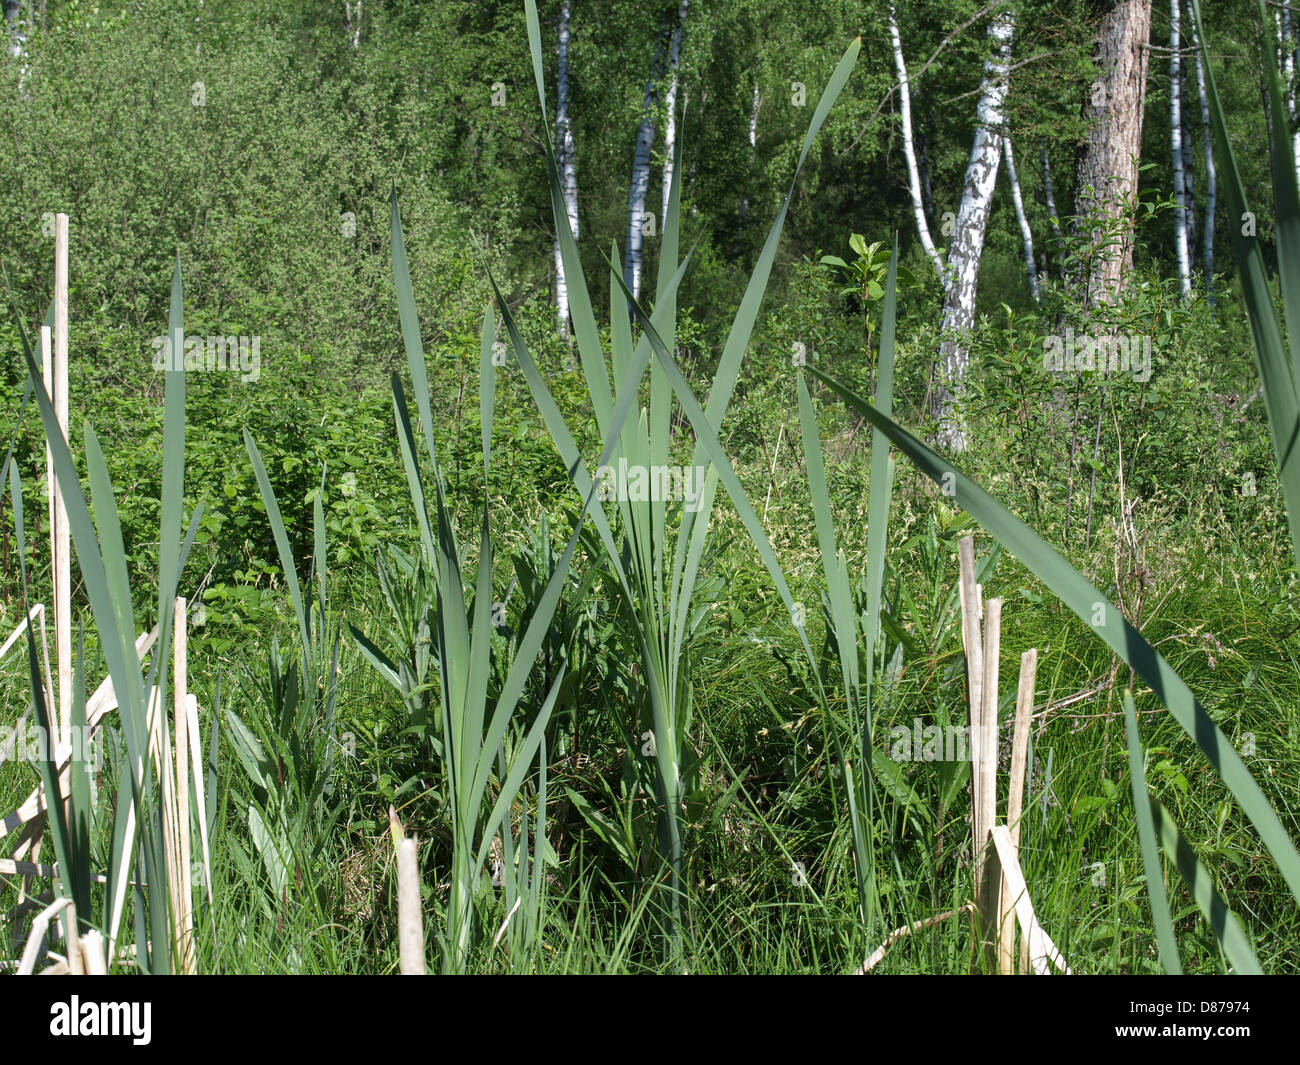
<point x="1286" y="60"/>
<point x="565" y="164"/>
<point x="1025" y="232"/>
<point x="352" y="24"/>
<point x="636" y="199"/>
<point x="14" y="26"/>
<point x="1211" y="177"/>
<point x="670" y="119"/>
<point x="909" y="152"/>
<point x="753" y="145"/>
<point x="1049" y="196"/>
<point x="968" y="239"/>
<point x="1181" y="249"/>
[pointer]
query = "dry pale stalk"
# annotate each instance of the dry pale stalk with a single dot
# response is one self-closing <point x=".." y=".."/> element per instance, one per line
<point x="972" y="645"/>
<point x="1041" y="948"/>
<point x="878" y="954"/>
<point x="1015" y="804"/>
<point x="92" y="953"/>
<point x="990" y="883"/>
<point x="185" y="916"/>
<point x="59" y="528"/>
<point x="410" y="919"/>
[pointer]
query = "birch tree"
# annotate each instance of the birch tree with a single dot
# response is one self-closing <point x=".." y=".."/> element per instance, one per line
<point x="1286" y="56"/>
<point x="909" y="152"/>
<point x="14" y="27"/>
<point x="352" y="22"/>
<point x="566" y="163"/>
<point x="967" y="244"/>
<point x="670" y="117"/>
<point x="1211" y="177"/>
<point x="1181" y="243"/>
<point x="637" y="223"/>
<point x="1049" y="198"/>
<point x="753" y="159"/>
<point x="1026" y="234"/>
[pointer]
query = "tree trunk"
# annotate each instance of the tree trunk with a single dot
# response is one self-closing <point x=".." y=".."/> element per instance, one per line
<point x="753" y="160"/>
<point x="1211" y="177"/>
<point x="1025" y="232"/>
<point x="1181" y="244"/>
<point x="670" y="118"/>
<point x="909" y="153"/>
<point x="923" y="162"/>
<point x="967" y="243"/>
<point x="1107" y="172"/>
<point x="14" y="26"/>
<point x="1189" y="153"/>
<point x="1286" y="64"/>
<point x="564" y="159"/>
<point x="1049" y="196"/>
<point x="352" y="22"/>
<point x="645" y="138"/>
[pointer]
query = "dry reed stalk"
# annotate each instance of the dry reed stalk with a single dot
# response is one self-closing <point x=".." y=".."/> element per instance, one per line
<point x="59" y="529"/>
<point x="410" y="919"/>
<point x="878" y="954"/>
<point x="92" y="953"/>
<point x="97" y="707"/>
<point x="989" y="886"/>
<point x="1041" y="948"/>
<point x="1015" y="806"/>
<point x="972" y="646"/>
<point x="36" y="935"/>
<point x="185" y="918"/>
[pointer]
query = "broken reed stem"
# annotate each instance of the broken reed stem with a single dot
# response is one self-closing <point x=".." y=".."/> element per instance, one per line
<point x="92" y="953"/>
<point x="972" y="645"/>
<point x="1042" y="950"/>
<point x="899" y="933"/>
<point x="989" y="889"/>
<point x="52" y="501"/>
<point x="160" y="746"/>
<point x="410" y="919"/>
<point x="185" y="917"/>
<point x="1015" y="805"/>
<point x="59" y="528"/>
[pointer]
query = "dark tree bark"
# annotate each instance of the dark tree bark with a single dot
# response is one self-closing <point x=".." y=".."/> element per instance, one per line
<point x="1107" y="170"/>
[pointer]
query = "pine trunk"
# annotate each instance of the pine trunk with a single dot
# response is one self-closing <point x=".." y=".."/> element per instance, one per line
<point x="1107" y="172"/>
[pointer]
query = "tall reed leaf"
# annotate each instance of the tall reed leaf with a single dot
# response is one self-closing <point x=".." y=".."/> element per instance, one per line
<point x="1279" y="369"/>
<point x="1147" y="834"/>
<point x="656" y="602"/>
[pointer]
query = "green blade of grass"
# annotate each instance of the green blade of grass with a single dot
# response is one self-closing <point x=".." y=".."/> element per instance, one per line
<point x="1150" y="855"/>
<point x="1105" y="621"/>
<point x="1278" y="373"/>
<point x="581" y="312"/>
<point x="287" y="563"/>
<point x="1227" y="928"/>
